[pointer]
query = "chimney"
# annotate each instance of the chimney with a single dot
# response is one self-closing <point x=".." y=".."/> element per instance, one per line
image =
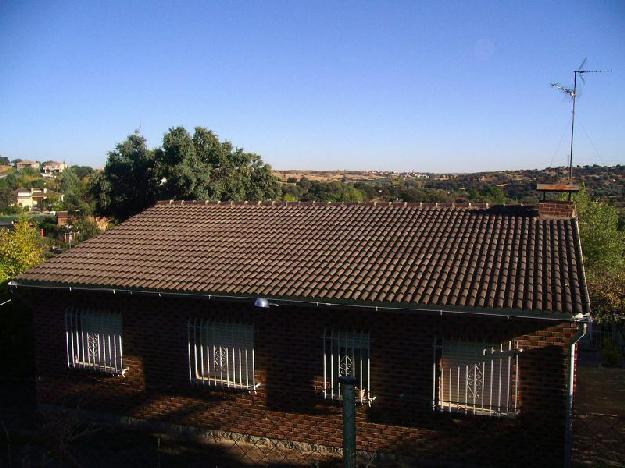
<point x="556" y="209"/>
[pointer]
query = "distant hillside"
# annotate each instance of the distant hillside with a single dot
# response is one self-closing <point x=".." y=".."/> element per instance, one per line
<point x="605" y="182"/>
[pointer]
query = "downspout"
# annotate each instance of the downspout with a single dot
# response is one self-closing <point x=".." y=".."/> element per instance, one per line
<point x="568" y="430"/>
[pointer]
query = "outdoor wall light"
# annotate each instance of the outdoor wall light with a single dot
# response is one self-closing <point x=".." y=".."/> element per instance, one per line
<point x="261" y="302"/>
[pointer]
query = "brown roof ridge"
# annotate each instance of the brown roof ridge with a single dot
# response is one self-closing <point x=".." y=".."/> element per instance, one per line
<point x="472" y="205"/>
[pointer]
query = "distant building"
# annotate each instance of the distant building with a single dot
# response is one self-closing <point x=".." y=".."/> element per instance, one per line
<point x="33" y="198"/>
<point x="62" y="218"/>
<point x="24" y="163"/>
<point x="53" y="167"/>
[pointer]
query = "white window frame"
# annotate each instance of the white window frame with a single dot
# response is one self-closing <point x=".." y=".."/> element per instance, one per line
<point x="221" y="354"/>
<point x="475" y="378"/>
<point x="93" y="340"/>
<point x="347" y="353"/>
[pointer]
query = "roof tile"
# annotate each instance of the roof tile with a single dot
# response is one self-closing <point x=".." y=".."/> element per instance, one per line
<point x="367" y="253"/>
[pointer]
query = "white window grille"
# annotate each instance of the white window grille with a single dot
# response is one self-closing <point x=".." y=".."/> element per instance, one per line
<point x="94" y="340"/>
<point x="346" y="354"/>
<point x="221" y="354"/>
<point x="475" y="378"/>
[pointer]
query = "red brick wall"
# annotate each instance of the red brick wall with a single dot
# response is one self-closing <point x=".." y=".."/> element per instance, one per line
<point x="289" y="365"/>
<point x="554" y="209"/>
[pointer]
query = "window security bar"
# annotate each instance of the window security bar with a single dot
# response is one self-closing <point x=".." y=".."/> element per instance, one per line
<point x="221" y="354"/>
<point x="479" y="380"/>
<point x="346" y="354"/>
<point x="94" y="340"/>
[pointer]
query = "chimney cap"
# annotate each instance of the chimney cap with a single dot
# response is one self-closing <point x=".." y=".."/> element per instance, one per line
<point x="566" y="188"/>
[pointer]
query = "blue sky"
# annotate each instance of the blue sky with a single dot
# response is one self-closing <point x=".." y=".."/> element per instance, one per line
<point x="432" y="86"/>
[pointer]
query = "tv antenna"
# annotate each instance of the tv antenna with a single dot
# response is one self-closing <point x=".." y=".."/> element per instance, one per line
<point x="572" y="93"/>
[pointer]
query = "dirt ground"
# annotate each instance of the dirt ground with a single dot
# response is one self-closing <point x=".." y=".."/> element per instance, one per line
<point x="598" y="428"/>
<point x="599" y="424"/>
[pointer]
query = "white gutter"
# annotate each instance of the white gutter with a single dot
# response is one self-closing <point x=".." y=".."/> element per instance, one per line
<point x="553" y="316"/>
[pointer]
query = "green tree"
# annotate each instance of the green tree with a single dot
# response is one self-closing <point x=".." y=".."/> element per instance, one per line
<point x="186" y="166"/>
<point x="602" y="242"/>
<point x="199" y="166"/>
<point x="82" y="171"/>
<point x="87" y="228"/>
<point x="20" y="249"/>
<point x="181" y="172"/>
<point x="127" y="185"/>
<point x="75" y="194"/>
<point x="607" y="296"/>
<point x="603" y="245"/>
<point x="7" y="198"/>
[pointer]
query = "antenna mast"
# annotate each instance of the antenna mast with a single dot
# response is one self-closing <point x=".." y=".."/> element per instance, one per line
<point x="573" y="94"/>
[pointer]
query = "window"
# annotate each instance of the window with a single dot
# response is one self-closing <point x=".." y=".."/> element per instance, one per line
<point x="221" y="354"/>
<point x="346" y="353"/>
<point x="476" y="378"/>
<point x="94" y="340"/>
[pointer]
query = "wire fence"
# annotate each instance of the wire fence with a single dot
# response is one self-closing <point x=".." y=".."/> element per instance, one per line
<point x="596" y="337"/>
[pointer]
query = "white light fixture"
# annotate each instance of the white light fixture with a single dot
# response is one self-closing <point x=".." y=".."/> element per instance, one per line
<point x="261" y="302"/>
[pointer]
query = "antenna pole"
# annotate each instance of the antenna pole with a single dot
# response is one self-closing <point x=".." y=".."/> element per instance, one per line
<point x="574" y="95"/>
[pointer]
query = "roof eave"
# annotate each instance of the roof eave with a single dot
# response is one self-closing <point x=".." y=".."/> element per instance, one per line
<point x="314" y="302"/>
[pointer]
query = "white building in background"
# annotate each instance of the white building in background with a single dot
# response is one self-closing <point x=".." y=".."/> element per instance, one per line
<point x="33" y="198"/>
<point x="53" y="167"/>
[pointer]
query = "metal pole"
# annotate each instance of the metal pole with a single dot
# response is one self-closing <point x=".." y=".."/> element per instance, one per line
<point x="349" y="421"/>
<point x="572" y="129"/>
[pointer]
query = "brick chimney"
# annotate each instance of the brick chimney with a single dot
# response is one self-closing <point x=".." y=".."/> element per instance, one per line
<point x="556" y="209"/>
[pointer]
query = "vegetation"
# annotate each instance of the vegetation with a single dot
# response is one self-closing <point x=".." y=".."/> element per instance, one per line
<point x="198" y="165"/>
<point x="603" y="244"/>
<point x="186" y="166"/>
<point x="602" y="241"/>
<point x="602" y="182"/>
<point x="610" y="354"/>
<point x="20" y="249"/>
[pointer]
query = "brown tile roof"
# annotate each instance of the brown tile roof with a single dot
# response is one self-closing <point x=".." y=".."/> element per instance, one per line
<point x="362" y="254"/>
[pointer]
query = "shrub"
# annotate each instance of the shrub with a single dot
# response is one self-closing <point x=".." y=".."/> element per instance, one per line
<point x="610" y="354"/>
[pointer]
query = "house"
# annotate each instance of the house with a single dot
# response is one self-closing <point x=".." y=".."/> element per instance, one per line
<point x="52" y="167"/>
<point x="62" y="218"/>
<point x="31" y="198"/>
<point x="459" y="324"/>
<point x="24" y="163"/>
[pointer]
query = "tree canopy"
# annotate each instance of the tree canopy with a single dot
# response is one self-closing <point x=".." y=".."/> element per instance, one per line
<point x="186" y="166"/>
<point x="20" y="249"/>
<point x="127" y="184"/>
<point x="603" y="245"/>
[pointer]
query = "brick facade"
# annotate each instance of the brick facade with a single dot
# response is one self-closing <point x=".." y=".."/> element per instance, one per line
<point x="289" y="359"/>
<point x="556" y="209"/>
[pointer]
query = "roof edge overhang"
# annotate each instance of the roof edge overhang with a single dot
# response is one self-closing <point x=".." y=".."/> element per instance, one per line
<point x="310" y="302"/>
